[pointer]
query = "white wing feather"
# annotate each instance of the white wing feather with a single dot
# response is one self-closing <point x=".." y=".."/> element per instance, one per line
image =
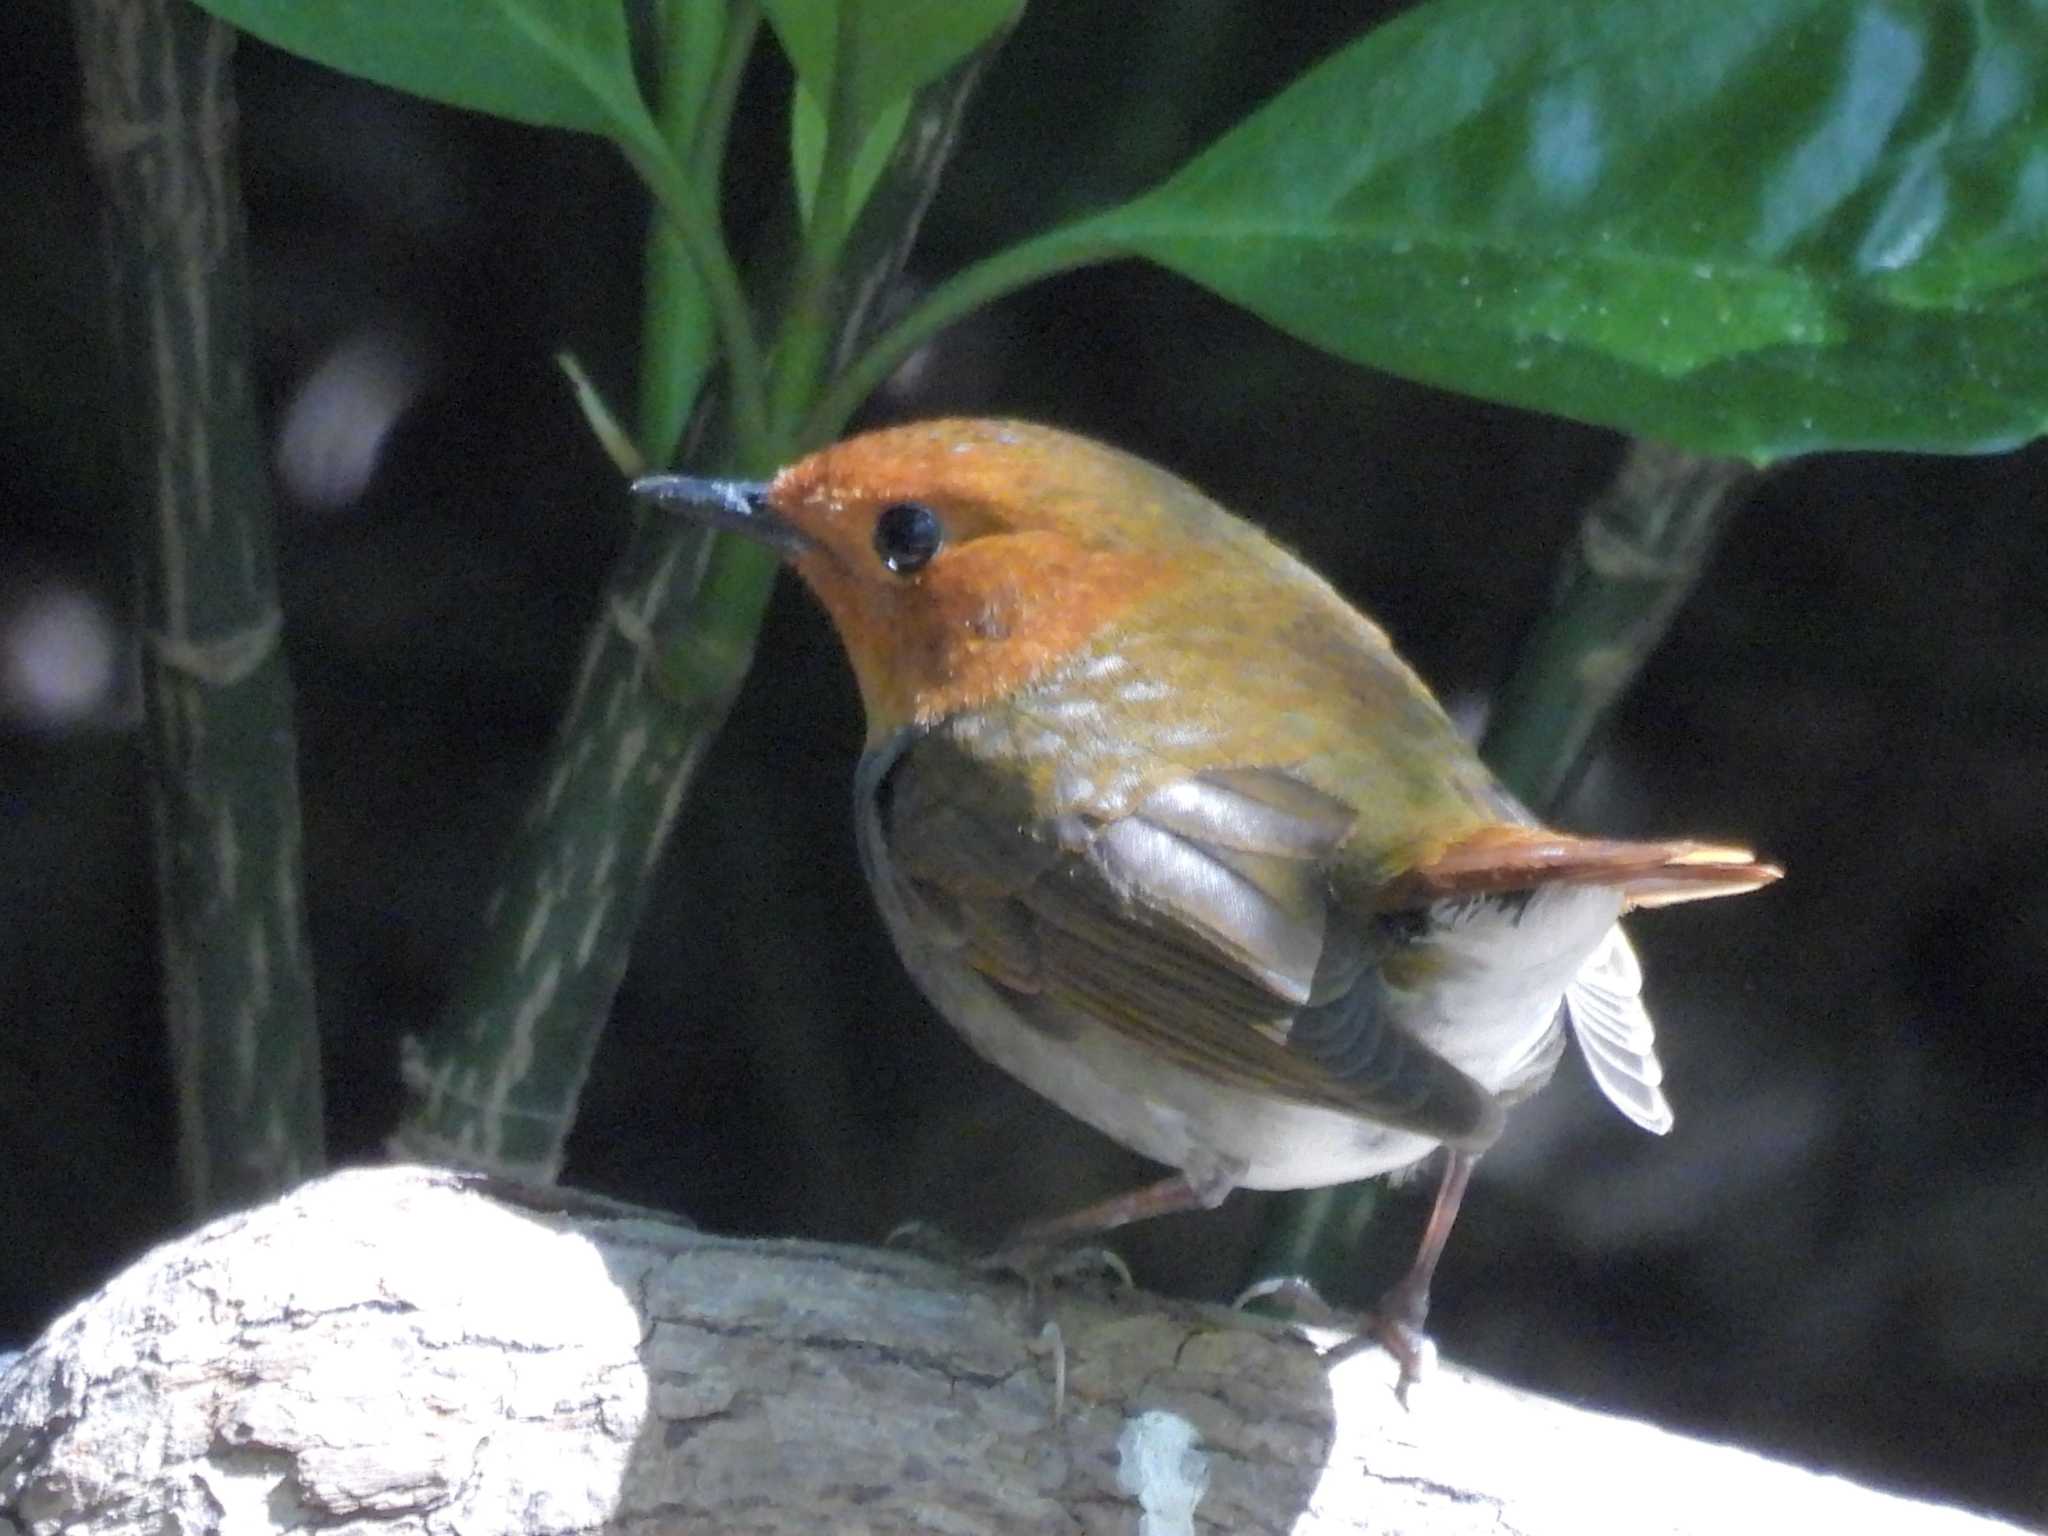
<point x="1605" y="1001"/>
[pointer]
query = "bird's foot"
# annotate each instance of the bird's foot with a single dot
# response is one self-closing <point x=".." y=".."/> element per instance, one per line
<point x="1037" y="1261"/>
<point x="1397" y="1327"/>
<point x="1413" y="1350"/>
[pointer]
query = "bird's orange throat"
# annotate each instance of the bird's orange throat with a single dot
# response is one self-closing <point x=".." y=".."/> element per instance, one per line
<point x="999" y="614"/>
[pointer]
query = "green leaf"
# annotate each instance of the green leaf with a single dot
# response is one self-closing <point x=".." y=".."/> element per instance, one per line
<point x="807" y="149"/>
<point x="891" y="46"/>
<point x="1751" y="227"/>
<point x="557" y="63"/>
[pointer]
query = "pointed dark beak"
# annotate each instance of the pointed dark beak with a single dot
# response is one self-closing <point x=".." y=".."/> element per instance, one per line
<point x="731" y="506"/>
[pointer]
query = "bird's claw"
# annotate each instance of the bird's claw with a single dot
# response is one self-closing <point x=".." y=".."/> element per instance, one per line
<point x="1413" y="1350"/>
<point x="1040" y="1263"/>
<point x="929" y="1241"/>
<point x="1294" y="1298"/>
<point x="1056" y="1344"/>
<point x="1035" y="1261"/>
<point x="1401" y="1336"/>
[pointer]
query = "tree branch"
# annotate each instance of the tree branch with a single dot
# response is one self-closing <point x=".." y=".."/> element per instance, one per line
<point x="411" y="1348"/>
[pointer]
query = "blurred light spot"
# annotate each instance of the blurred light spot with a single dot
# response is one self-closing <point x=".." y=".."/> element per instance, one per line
<point x="1566" y="155"/>
<point x="340" y="414"/>
<point x="58" y="661"/>
<point x="1852" y="133"/>
<point x="1469" y="709"/>
<point x="1914" y="214"/>
<point x="910" y="375"/>
<point x="972" y="361"/>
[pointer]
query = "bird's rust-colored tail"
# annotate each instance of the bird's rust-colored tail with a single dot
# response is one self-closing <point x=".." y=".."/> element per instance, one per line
<point x="1516" y="858"/>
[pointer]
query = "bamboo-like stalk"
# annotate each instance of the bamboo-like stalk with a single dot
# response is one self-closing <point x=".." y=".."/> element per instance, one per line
<point x="496" y="1084"/>
<point x="220" y="749"/>
<point x="1641" y="549"/>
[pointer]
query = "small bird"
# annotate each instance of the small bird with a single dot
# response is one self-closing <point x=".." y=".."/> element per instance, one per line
<point x="1166" y="829"/>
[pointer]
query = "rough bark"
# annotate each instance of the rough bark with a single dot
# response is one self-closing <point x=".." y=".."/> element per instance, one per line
<point x="401" y="1350"/>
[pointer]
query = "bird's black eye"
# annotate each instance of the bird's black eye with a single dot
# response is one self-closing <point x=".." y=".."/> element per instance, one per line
<point x="907" y="535"/>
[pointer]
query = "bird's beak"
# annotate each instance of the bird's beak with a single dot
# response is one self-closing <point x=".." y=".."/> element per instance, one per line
<point x="731" y="506"/>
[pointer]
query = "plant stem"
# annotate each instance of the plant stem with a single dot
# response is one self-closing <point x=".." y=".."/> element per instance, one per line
<point x="221" y="769"/>
<point x="1641" y="549"/>
<point x="1059" y="250"/>
<point x="674" y="304"/>
<point x="714" y="118"/>
<point x="690" y="45"/>
<point x="692" y="215"/>
<point x="496" y="1085"/>
<point x="497" y="1082"/>
<point x="805" y="337"/>
<point x="875" y="251"/>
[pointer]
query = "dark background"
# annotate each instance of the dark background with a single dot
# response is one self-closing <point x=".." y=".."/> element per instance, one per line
<point x="1838" y="1254"/>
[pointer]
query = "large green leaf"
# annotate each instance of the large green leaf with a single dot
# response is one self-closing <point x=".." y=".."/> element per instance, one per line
<point x="1754" y="227"/>
<point x="558" y="63"/>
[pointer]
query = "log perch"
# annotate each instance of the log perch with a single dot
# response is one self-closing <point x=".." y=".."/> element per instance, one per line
<point x="404" y="1350"/>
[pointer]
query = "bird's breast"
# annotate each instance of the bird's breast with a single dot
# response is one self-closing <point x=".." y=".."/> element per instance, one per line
<point x="1313" y="691"/>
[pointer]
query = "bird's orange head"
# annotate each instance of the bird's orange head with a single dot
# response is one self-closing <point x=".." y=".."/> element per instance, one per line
<point x="960" y="560"/>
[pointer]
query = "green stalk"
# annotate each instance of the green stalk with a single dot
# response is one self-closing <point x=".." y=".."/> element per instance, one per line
<point x="805" y="336"/>
<point x="497" y="1082"/>
<point x="496" y="1085"/>
<point x="992" y="278"/>
<point x="689" y="46"/>
<point x="221" y="763"/>
<point x="691" y="213"/>
<point x="722" y="93"/>
<point x="1641" y="548"/>
<point x="674" y="304"/>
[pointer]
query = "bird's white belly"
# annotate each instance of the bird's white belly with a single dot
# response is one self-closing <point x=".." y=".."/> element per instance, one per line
<point x="1491" y="1010"/>
<point x="1497" y="973"/>
<point x="1221" y="1137"/>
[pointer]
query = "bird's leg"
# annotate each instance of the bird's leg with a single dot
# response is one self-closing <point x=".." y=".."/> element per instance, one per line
<point x="1059" y="1245"/>
<point x="1407" y="1304"/>
<point x="1170" y="1195"/>
<point x="1398" y="1321"/>
<point x="1027" y="1249"/>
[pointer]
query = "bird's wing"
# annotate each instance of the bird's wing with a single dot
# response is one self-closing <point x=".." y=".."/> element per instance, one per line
<point x="1201" y="923"/>
<point x="1605" y="1002"/>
